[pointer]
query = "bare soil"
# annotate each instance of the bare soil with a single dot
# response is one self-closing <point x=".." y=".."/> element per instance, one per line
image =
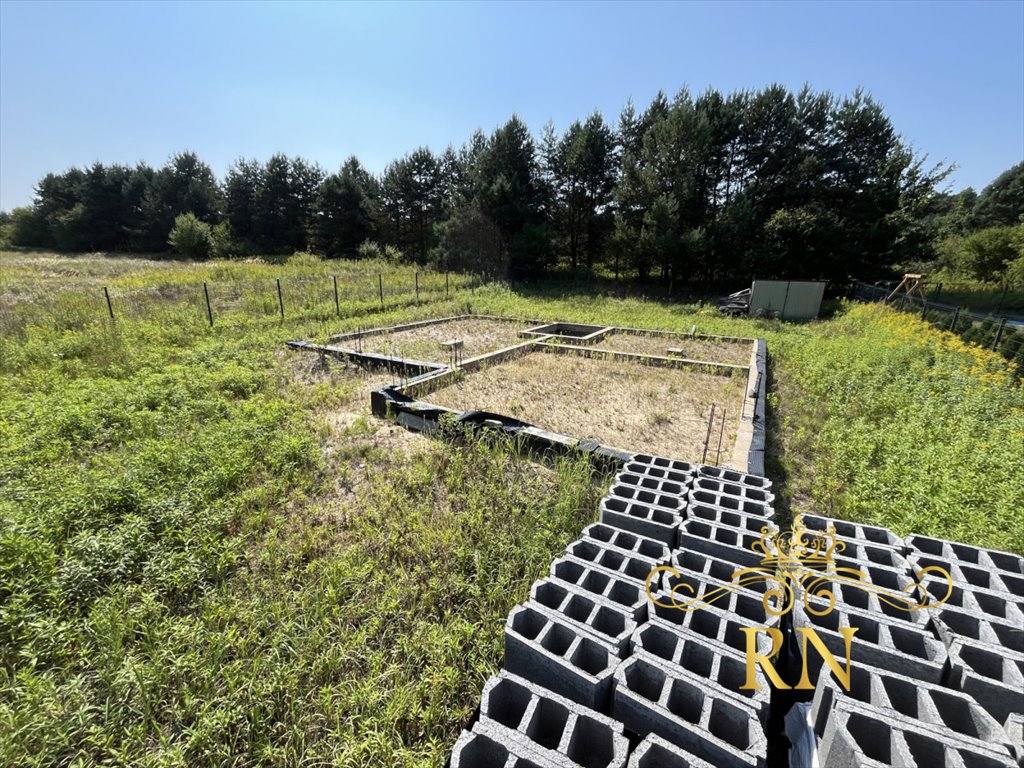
<point x="737" y="353"/>
<point x="478" y="335"/>
<point x="628" y="406"/>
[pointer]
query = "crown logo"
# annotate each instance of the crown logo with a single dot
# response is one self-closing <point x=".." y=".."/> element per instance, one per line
<point x="798" y="547"/>
<point x="799" y="562"/>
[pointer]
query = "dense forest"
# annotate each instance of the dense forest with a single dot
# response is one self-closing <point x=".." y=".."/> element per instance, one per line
<point x="709" y="188"/>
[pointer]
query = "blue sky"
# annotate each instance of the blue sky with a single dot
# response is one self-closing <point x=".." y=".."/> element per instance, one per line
<point x="123" y="82"/>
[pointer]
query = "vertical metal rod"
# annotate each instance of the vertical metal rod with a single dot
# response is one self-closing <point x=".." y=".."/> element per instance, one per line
<point x="707" y="436"/>
<point x="924" y="309"/>
<point x="209" y="311"/>
<point x="110" y="307"/>
<point x="999" y="334"/>
<point x="938" y="292"/>
<point x="337" y="304"/>
<point x="956" y="317"/>
<point x="380" y="289"/>
<point x="280" y="299"/>
<point x="721" y="434"/>
<point x="417" y="286"/>
<point x="446" y="294"/>
<point x="1002" y="298"/>
<point x="903" y="300"/>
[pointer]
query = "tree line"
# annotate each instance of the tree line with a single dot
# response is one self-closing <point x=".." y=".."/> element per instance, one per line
<point x="709" y="187"/>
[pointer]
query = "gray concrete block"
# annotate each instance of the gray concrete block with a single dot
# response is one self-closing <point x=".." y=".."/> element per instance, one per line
<point x="995" y="606"/>
<point x="657" y="485"/>
<point x="676" y="505"/>
<point x="734" y="503"/>
<point x="884" y="604"/>
<point x="992" y="674"/>
<point x="905" y="649"/>
<point x="723" y="622"/>
<point x="723" y="516"/>
<point x="557" y="727"/>
<point x="991" y="559"/>
<point x="1014" y="729"/>
<point x="973" y="576"/>
<point x="721" y="541"/>
<point x="689" y="584"/>
<point x="648" y="699"/>
<point x="585" y="613"/>
<point x="660" y="462"/>
<point x="849" y="531"/>
<point x="734" y="476"/>
<point x="633" y="543"/>
<point x="475" y="750"/>
<point x="548" y="652"/>
<point x="737" y="490"/>
<point x="626" y="566"/>
<point x="655" y="752"/>
<point x="642" y="519"/>
<point x="691" y="656"/>
<point x="684" y="478"/>
<point x="869" y="554"/>
<point x="928" y="706"/>
<point x="859" y="736"/>
<point x="590" y="549"/>
<point x="951" y="622"/>
<point x="628" y="594"/>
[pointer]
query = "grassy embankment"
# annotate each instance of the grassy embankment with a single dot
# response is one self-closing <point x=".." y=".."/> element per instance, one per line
<point x="211" y="554"/>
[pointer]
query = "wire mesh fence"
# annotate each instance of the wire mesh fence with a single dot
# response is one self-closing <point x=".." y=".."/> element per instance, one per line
<point x="74" y="305"/>
<point x="998" y="333"/>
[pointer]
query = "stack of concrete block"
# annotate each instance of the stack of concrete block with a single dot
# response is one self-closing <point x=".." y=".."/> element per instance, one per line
<point x="589" y="644"/>
<point x="939" y="686"/>
<point x="593" y="665"/>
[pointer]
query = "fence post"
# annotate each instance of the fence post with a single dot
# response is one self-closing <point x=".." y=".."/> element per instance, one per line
<point x="280" y="299"/>
<point x="707" y="437"/>
<point x="938" y="292"/>
<point x="380" y="289"/>
<point x="956" y="316"/>
<point x="337" y="304"/>
<point x="1002" y="299"/>
<point x="209" y="311"/>
<point x="110" y="307"/>
<point x="417" y="286"/>
<point x="446" y="295"/>
<point x="903" y="300"/>
<point x="999" y="334"/>
<point x="721" y="433"/>
<point x="924" y="309"/>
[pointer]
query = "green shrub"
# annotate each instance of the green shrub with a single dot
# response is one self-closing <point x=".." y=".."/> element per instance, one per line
<point x="191" y="237"/>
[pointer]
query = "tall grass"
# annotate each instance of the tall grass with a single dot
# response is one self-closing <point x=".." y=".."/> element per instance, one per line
<point x="199" y="566"/>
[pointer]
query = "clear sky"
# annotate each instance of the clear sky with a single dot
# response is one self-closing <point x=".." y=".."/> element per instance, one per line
<point x="123" y="82"/>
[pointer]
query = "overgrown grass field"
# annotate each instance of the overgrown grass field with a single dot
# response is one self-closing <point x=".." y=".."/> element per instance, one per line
<point x="210" y="553"/>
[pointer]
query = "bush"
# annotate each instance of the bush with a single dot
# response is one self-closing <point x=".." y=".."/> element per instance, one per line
<point x="369" y="250"/>
<point x="222" y="242"/>
<point x="191" y="237"/>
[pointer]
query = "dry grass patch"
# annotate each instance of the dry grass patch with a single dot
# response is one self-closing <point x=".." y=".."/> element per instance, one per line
<point x="479" y="335"/>
<point x="625" y="405"/>
<point x="737" y="353"/>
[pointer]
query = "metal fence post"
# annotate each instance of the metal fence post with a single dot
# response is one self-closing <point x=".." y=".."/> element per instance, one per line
<point x="110" y="307"/>
<point x="956" y="317"/>
<point x="999" y="334"/>
<point x="924" y="309"/>
<point x="1002" y="298"/>
<point x="707" y="436"/>
<point x="417" y="286"/>
<point x="209" y="311"/>
<point x="280" y="299"/>
<point x="337" y="304"/>
<point x="380" y="288"/>
<point x="446" y="294"/>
